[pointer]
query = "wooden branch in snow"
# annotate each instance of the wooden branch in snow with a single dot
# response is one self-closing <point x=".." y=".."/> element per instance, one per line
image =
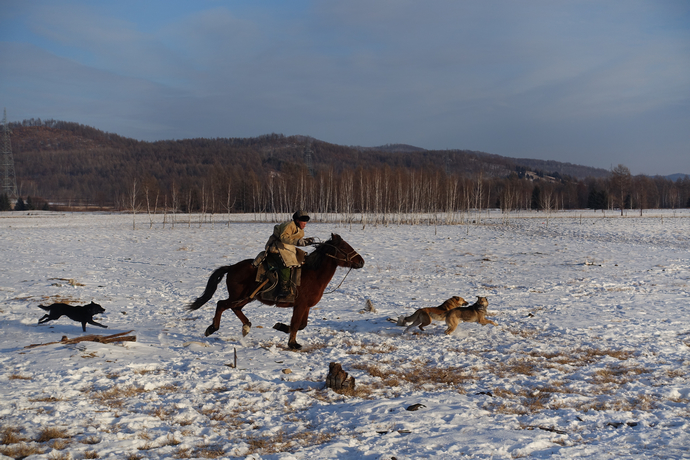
<point x="121" y="337"/>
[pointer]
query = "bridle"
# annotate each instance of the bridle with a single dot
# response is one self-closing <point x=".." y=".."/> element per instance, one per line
<point x="348" y="255"/>
<point x="348" y="259"/>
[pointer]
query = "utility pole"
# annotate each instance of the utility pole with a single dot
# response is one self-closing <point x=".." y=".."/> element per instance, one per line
<point x="9" y="180"/>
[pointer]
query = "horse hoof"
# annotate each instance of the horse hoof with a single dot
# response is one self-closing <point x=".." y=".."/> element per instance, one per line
<point x="245" y="330"/>
<point x="210" y="330"/>
<point x="282" y="327"/>
<point x="294" y="346"/>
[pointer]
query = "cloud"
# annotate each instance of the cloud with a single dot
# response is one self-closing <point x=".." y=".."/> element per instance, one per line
<point x="535" y="78"/>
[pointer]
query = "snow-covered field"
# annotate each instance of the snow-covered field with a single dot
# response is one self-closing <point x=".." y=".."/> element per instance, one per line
<point x="590" y="358"/>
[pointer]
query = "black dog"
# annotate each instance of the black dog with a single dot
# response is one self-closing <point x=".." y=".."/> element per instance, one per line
<point x="83" y="314"/>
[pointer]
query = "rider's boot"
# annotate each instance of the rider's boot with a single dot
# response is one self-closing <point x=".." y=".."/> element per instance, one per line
<point x="283" y="288"/>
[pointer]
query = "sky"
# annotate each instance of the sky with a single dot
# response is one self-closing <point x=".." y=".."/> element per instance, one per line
<point x="596" y="83"/>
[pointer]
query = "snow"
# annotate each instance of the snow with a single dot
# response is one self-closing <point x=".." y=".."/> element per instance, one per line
<point x="589" y="359"/>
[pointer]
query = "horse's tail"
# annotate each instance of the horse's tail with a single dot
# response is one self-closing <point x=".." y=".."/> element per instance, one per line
<point x="211" y="286"/>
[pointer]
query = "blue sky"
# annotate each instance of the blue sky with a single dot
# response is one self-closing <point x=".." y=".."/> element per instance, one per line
<point x="598" y="83"/>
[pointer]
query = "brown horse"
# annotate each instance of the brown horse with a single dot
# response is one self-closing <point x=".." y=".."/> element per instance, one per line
<point x="317" y="271"/>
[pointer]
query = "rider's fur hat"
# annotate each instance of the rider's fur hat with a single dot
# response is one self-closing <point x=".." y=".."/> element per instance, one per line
<point x="300" y="215"/>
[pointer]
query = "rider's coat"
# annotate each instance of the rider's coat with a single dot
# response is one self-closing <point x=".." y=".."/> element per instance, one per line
<point x="283" y="241"/>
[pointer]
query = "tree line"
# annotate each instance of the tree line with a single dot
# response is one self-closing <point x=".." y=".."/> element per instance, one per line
<point x="70" y="164"/>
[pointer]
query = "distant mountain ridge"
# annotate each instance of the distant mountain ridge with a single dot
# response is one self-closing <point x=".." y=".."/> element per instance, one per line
<point x="675" y="177"/>
<point x="550" y="166"/>
<point x="51" y="135"/>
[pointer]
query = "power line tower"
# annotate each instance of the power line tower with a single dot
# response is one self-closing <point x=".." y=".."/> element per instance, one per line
<point x="9" y="180"/>
<point x="309" y="159"/>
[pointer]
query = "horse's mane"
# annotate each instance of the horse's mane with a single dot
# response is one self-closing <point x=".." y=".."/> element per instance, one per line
<point x="314" y="260"/>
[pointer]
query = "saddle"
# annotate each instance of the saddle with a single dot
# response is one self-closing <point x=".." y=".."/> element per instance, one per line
<point x="267" y="276"/>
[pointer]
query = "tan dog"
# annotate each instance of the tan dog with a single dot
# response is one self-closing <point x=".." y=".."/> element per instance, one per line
<point x="472" y="314"/>
<point x="424" y="316"/>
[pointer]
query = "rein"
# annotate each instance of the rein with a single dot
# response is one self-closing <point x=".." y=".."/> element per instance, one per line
<point x="336" y="288"/>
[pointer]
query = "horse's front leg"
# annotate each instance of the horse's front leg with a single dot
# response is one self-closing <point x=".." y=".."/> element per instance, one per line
<point x="300" y="318"/>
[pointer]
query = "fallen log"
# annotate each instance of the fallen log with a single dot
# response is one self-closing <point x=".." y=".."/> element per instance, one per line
<point x="121" y="337"/>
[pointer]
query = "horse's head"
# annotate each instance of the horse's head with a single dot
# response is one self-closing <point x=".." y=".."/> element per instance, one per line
<point x="342" y="252"/>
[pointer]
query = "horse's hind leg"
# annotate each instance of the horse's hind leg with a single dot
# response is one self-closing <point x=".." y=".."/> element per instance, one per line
<point x="236" y="308"/>
<point x="246" y="324"/>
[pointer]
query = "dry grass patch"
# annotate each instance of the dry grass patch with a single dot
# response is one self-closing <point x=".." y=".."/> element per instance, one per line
<point x="114" y="397"/>
<point x="524" y="333"/>
<point x="185" y="422"/>
<point x="60" y="444"/>
<point x="528" y="400"/>
<point x="162" y="413"/>
<point x="515" y="366"/>
<point x="618" y="375"/>
<point x="70" y="281"/>
<point x="207" y="452"/>
<point x="171" y="440"/>
<point x="47" y="399"/>
<point x="216" y="390"/>
<point x="60" y="456"/>
<point x="284" y="442"/>
<point x="21" y="450"/>
<point x="147" y="446"/>
<point x="579" y="357"/>
<point x="233" y="419"/>
<point x="19" y="377"/>
<point x="591" y="355"/>
<point x="640" y="403"/>
<point x="420" y="375"/>
<point x="675" y="373"/>
<point x="48" y="434"/>
<point x="91" y="454"/>
<point x="183" y="452"/>
<point x="91" y="440"/>
<point x="10" y="435"/>
<point x="167" y="388"/>
<point x="368" y="348"/>
<point x="257" y="388"/>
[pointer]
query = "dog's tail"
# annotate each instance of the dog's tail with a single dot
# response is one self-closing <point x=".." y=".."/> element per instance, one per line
<point x="402" y="321"/>
<point x="211" y="287"/>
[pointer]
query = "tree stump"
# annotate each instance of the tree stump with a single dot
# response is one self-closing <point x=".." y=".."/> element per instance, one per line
<point x="338" y="379"/>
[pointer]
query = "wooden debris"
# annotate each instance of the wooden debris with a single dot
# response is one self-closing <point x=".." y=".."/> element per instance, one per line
<point x="337" y="378"/>
<point x="121" y="337"/>
<point x="234" y="364"/>
<point x="370" y="306"/>
<point x="414" y="407"/>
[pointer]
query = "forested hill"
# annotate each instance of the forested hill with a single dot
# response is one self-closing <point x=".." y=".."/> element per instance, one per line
<point x="69" y="162"/>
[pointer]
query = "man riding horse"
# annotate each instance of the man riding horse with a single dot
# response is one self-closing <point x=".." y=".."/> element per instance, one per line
<point x="281" y="251"/>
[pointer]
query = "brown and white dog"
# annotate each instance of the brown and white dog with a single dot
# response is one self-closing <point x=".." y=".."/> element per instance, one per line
<point x="472" y="314"/>
<point x="424" y="316"/>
